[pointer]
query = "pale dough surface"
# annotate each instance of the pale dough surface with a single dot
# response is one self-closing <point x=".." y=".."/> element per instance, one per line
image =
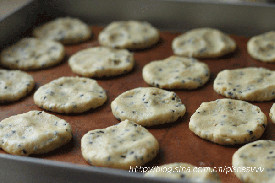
<point x="183" y="171"/>
<point x="120" y="146"/>
<point x="101" y="61"/>
<point x="129" y="34"/>
<point x="258" y="154"/>
<point x="179" y="72"/>
<point x="32" y="53"/>
<point x="203" y="43"/>
<point x="34" y="132"/>
<point x="148" y="106"/>
<point x="272" y="113"/>
<point x="66" y="30"/>
<point x="250" y="84"/>
<point x="228" y="122"/>
<point x="262" y="47"/>
<point x="14" y="85"/>
<point x="70" y="95"/>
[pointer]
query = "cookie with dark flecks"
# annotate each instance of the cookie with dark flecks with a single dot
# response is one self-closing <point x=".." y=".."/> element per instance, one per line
<point x="203" y="43"/>
<point x="272" y="113"/>
<point x="262" y="47"/>
<point x="129" y="34"/>
<point x="179" y="72"/>
<point x="148" y="106"/>
<point x="34" y="132"/>
<point x="228" y="122"/>
<point x="14" y="85"/>
<point x="102" y="61"/>
<point x="66" y="30"/>
<point x="31" y="54"/>
<point x="250" y="84"/>
<point x="120" y="146"/>
<point x="70" y="95"/>
<point x="185" y="172"/>
<point x="255" y="162"/>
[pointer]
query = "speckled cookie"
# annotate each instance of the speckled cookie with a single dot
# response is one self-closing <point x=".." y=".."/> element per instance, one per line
<point x="34" y="132"/>
<point x="203" y="43"/>
<point x="120" y="146"/>
<point x="179" y="72"/>
<point x="228" y="122"/>
<point x="272" y="113"/>
<point x="32" y="53"/>
<point x="70" y="95"/>
<point x="260" y="156"/>
<point x="250" y="84"/>
<point x="185" y="172"/>
<point x="262" y="47"/>
<point x="129" y="34"/>
<point x="66" y="30"/>
<point x="14" y="85"/>
<point x="148" y="106"/>
<point x="101" y="61"/>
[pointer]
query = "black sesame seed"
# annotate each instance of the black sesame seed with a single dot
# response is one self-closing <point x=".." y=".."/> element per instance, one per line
<point x="250" y="132"/>
<point x="39" y="112"/>
<point x="24" y="151"/>
<point x="230" y="93"/>
<point x="264" y="125"/>
<point x="100" y="131"/>
<point x="123" y="156"/>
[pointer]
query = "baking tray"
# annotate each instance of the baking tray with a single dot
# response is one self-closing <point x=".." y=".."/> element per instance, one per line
<point x="177" y="142"/>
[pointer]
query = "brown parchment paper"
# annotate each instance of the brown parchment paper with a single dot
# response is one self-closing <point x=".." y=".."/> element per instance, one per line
<point x="177" y="142"/>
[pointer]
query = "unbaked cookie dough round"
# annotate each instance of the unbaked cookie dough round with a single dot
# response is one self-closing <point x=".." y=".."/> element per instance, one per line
<point x="228" y="122"/>
<point x="101" y="62"/>
<point x="14" y="85"/>
<point x="129" y="34"/>
<point x="123" y="145"/>
<point x="203" y="43"/>
<point x="32" y="53"/>
<point x="254" y="162"/>
<point x="185" y="172"/>
<point x="148" y="106"/>
<point x="272" y="113"/>
<point x="70" y="95"/>
<point x="250" y="84"/>
<point x="179" y="72"/>
<point x="66" y="30"/>
<point x="262" y="47"/>
<point x="34" y="132"/>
